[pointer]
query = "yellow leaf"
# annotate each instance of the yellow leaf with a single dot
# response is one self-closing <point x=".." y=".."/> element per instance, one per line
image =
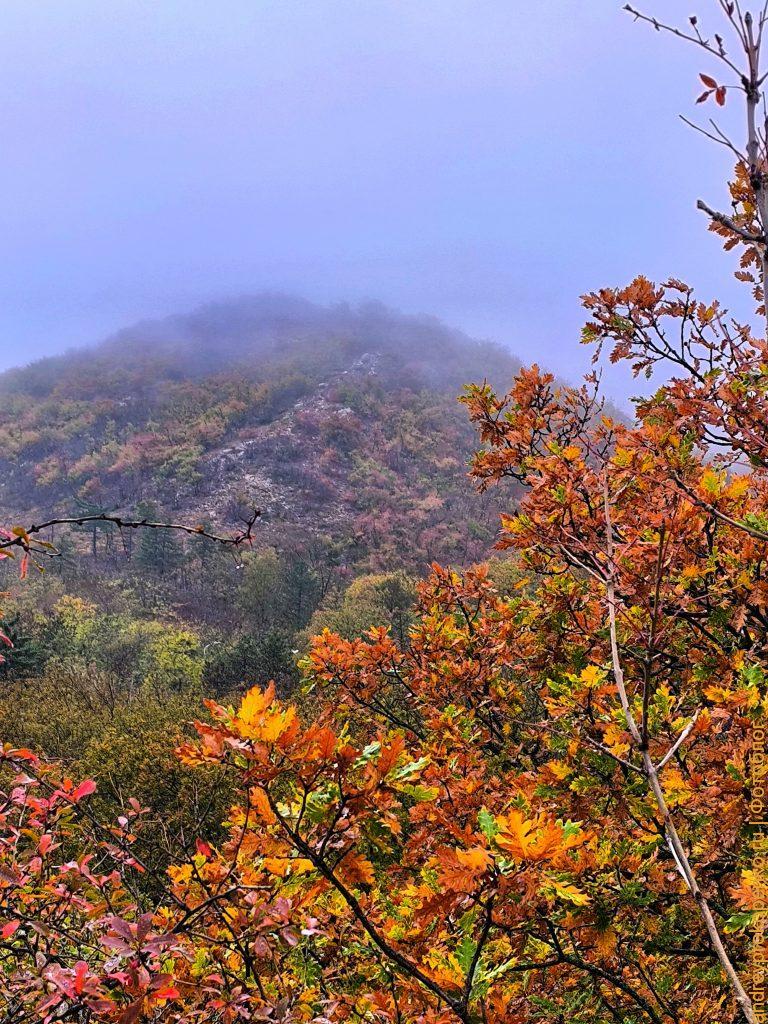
<point x="283" y="866"/>
<point x="622" y="458"/>
<point x="738" y="487"/>
<point x="180" y="873"/>
<point x="260" y="716"/>
<point x="255" y="703"/>
<point x="559" y="769"/>
<point x="616" y="739"/>
<point x="566" y="891"/>
<point x="605" y="941"/>
<point x="445" y="968"/>
<point x="676" y="789"/>
<point x="712" y="483"/>
<point x="592" y="676"/>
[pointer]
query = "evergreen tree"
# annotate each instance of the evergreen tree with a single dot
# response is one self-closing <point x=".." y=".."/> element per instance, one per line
<point x="158" y="551"/>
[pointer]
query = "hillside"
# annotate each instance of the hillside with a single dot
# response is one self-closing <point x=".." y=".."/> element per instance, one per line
<point x="339" y="423"/>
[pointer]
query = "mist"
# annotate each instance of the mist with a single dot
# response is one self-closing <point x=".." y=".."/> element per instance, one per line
<point x="482" y="161"/>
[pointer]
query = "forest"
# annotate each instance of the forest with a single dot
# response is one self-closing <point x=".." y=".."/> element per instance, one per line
<point x="354" y="672"/>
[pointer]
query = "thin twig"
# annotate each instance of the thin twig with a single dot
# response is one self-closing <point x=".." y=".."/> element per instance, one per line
<point x="678" y="742"/>
<point x="714" y="136"/>
<point x="660" y="26"/>
<point x="610" y="753"/>
<point x="718" y="514"/>
<point x="25" y="538"/>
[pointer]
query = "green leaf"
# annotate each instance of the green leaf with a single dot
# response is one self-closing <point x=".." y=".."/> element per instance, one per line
<point x="421" y="794"/>
<point x="465" y="951"/>
<point x="368" y="753"/>
<point x="411" y="769"/>
<point x="738" y="922"/>
<point x="487" y="823"/>
<point x="571" y="828"/>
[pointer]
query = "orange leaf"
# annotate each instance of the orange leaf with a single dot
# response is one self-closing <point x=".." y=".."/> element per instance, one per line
<point x="356" y="868"/>
<point x="526" y="839"/>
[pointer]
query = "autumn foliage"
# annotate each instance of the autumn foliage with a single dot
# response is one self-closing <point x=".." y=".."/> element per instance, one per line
<point x="464" y="829"/>
<point x="535" y="808"/>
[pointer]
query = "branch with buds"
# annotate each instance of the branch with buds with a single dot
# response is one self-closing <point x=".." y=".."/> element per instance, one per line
<point x="749" y="223"/>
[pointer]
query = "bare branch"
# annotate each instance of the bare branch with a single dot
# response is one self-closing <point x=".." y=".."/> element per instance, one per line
<point x="697" y="39"/>
<point x="610" y="587"/>
<point x="678" y="742"/>
<point x="716" y="135"/>
<point x="25" y="537"/>
<point x="615" y="757"/>
<point x="750" y="82"/>
<point x="728" y="222"/>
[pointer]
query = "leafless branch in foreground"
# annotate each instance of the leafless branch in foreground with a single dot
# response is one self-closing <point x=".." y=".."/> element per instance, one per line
<point x="28" y="540"/>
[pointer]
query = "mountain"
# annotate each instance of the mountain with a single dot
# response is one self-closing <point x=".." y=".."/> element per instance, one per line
<point x="338" y="422"/>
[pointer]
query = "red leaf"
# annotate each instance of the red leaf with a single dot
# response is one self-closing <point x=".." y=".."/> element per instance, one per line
<point x="8" y="929"/>
<point x="708" y="81"/>
<point x="81" y="973"/>
<point x="84" y="789"/>
<point x="704" y="96"/>
<point x="21" y="754"/>
<point x="203" y="848"/>
<point x="169" y="992"/>
<point x="720" y="96"/>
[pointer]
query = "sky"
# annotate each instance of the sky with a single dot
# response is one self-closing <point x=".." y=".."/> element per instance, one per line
<point x="486" y="161"/>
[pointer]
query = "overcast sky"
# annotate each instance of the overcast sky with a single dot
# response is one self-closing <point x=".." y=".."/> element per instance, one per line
<point x="483" y="160"/>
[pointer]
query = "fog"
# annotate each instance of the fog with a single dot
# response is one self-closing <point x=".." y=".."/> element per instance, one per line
<point x="486" y="161"/>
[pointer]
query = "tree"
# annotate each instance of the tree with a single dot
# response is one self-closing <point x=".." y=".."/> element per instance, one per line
<point x="371" y="600"/>
<point x="159" y="551"/>
<point x="251" y="659"/>
<point x="98" y="522"/>
<point x="260" y="594"/>
<point x="25" y="655"/>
